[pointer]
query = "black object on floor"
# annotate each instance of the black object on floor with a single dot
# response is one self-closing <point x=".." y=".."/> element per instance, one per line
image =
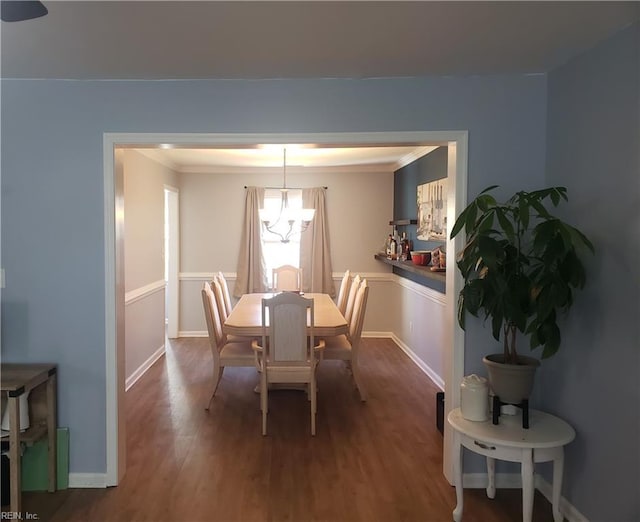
<point x="440" y="412"/>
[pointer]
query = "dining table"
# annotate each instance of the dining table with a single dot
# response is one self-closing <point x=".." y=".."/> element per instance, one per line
<point x="246" y="317"/>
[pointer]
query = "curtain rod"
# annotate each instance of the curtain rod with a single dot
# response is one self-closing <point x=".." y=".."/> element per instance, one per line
<point x="292" y="188"/>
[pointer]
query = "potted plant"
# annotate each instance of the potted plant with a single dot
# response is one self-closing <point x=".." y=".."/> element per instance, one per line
<point x="520" y="266"/>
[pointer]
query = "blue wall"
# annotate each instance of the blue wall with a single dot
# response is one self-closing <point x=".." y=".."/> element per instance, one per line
<point x="428" y="168"/>
<point x="52" y="188"/>
<point x="593" y="382"/>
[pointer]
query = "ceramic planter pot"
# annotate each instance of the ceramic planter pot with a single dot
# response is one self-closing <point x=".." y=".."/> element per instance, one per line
<point x="512" y="383"/>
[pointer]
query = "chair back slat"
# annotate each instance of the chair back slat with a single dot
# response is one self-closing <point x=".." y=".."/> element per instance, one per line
<point x="355" y="285"/>
<point x="287" y="277"/>
<point x="288" y="330"/>
<point x="212" y="316"/>
<point x="219" y="294"/>
<point x="359" y="308"/>
<point x="343" y="293"/>
<point x="225" y="293"/>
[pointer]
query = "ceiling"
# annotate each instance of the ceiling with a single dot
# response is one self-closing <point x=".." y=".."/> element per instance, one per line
<point x="301" y="39"/>
<point x="207" y="160"/>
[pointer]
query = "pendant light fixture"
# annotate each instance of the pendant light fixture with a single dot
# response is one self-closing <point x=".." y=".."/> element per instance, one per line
<point x="289" y="221"/>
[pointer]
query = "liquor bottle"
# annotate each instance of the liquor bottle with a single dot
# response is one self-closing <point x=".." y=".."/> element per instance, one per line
<point x="403" y="247"/>
<point x="393" y="248"/>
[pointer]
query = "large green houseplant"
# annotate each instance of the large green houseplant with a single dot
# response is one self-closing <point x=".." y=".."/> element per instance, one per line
<point x="520" y="266"/>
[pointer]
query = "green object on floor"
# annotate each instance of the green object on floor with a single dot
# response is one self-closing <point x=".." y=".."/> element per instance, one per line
<point x="35" y="465"/>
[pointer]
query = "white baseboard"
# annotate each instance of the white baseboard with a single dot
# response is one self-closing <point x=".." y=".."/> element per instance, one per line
<point x="567" y="509"/>
<point x="378" y="335"/>
<point x="87" y="480"/>
<point x="514" y="480"/>
<point x="437" y="380"/>
<point x="193" y="333"/>
<point x="133" y="378"/>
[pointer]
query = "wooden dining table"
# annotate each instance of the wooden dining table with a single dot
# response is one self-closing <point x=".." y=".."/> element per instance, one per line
<point x="246" y="317"/>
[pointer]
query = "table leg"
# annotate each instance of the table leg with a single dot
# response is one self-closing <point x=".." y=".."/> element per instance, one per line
<point x="14" y="454"/>
<point x="52" y="432"/>
<point x="457" y="476"/>
<point x="491" y="474"/>
<point x="558" y="471"/>
<point x="527" y="484"/>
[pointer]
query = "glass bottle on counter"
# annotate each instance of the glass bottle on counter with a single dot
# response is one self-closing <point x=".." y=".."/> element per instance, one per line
<point x="403" y="247"/>
<point x="393" y="247"/>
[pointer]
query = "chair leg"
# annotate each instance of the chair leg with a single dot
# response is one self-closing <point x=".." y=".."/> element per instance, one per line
<point x="264" y="402"/>
<point x="312" y="386"/>
<point x="355" y="371"/>
<point x="217" y="375"/>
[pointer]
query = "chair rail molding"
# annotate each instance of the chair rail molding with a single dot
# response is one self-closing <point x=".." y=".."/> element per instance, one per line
<point x="144" y="291"/>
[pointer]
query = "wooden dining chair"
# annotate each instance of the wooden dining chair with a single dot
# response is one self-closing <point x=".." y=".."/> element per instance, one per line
<point x="343" y="293"/>
<point x="351" y="298"/>
<point x="346" y="347"/>
<point x="225" y="292"/>
<point x="287" y="353"/>
<point x="225" y="351"/>
<point x="287" y="277"/>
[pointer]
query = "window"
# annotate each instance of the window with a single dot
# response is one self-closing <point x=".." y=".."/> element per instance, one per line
<point x="277" y="253"/>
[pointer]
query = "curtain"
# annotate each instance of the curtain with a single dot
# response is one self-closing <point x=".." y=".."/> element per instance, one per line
<point x="251" y="272"/>
<point x="315" y="251"/>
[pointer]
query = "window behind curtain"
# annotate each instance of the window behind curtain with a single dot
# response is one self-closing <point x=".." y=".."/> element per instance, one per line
<point x="277" y="253"/>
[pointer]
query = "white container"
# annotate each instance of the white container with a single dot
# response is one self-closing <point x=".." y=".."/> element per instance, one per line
<point x="24" y="414"/>
<point x="474" y="398"/>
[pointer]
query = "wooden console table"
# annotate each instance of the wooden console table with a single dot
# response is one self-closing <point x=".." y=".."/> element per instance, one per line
<point x="544" y="441"/>
<point x="17" y="379"/>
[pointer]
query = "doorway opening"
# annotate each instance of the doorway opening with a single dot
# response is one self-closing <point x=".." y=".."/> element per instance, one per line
<point x="457" y="144"/>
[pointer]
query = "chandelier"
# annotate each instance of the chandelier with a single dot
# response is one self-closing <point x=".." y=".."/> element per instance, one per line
<point x="289" y="221"/>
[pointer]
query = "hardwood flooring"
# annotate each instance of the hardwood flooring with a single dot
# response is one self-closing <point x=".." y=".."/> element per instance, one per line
<point x="374" y="461"/>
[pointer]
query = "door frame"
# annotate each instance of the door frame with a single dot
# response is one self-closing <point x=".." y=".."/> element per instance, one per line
<point x="457" y="143"/>
<point x="172" y="257"/>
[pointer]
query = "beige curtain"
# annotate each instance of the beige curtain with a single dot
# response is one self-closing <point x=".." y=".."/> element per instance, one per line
<point x="251" y="272"/>
<point x="315" y="251"/>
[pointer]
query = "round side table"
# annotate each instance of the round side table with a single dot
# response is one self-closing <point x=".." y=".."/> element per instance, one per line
<point x="544" y="441"/>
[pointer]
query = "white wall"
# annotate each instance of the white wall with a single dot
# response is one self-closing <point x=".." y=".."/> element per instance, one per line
<point x="144" y="182"/>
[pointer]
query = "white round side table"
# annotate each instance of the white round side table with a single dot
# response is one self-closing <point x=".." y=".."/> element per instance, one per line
<point x="544" y="441"/>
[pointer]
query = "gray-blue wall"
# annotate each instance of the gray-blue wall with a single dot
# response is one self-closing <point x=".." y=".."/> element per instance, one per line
<point x="593" y="145"/>
<point x="52" y="188"/>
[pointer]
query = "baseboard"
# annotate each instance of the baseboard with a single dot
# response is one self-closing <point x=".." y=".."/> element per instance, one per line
<point x="87" y="480"/>
<point x="514" y="480"/>
<point x="378" y="335"/>
<point x="143" y="368"/>
<point x="437" y="380"/>
<point x="193" y="333"/>
<point x="566" y="508"/>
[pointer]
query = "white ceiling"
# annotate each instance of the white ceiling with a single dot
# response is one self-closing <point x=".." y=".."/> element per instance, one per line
<point x="207" y="160"/>
<point x="301" y="39"/>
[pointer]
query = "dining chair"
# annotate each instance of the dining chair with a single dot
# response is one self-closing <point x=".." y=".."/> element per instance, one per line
<point x="287" y="277"/>
<point x="346" y="347"/>
<point x="225" y="292"/>
<point x="288" y="353"/>
<point x="218" y="292"/>
<point x="351" y="299"/>
<point x="343" y="293"/>
<point x="225" y="351"/>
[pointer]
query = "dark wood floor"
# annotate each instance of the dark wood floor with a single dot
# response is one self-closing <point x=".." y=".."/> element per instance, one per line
<point x="374" y="461"/>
